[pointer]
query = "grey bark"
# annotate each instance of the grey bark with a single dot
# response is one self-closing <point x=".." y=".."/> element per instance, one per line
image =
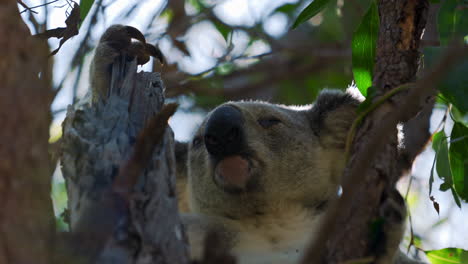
<point x="97" y="142"/>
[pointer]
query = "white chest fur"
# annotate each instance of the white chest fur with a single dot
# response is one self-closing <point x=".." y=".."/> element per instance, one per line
<point x="275" y="238"/>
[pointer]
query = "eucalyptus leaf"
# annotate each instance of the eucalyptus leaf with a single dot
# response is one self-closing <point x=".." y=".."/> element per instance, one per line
<point x="459" y="159"/>
<point x="440" y="145"/>
<point x="447" y="256"/>
<point x="363" y="48"/>
<point x="458" y="116"/>
<point x="456" y="198"/>
<point x="287" y="9"/>
<point x="431" y="177"/>
<point x="310" y="11"/>
<point x="444" y="187"/>
<point x="85" y="6"/>
<point x="223" y="29"/>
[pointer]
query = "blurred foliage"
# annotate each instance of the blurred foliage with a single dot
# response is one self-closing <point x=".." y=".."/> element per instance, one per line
<point x="331" y="32"/>
<point x="59" y="196"/>
<point x="452" y="152"/>
<point x="454" y="86"/>
<point x="85" y="6"/>
<point x="452" y="20"/>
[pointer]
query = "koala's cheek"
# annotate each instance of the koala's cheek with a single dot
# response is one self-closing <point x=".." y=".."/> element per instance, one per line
<point x="198" y="166"/>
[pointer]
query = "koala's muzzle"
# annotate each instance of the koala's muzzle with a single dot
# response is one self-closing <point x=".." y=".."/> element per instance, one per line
<point x="224" y="132"/>
<point x="225" y="142"/>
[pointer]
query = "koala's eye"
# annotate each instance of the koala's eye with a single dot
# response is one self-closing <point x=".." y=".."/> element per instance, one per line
<point x="268" y="122"/>
<point x="197" y="141"/>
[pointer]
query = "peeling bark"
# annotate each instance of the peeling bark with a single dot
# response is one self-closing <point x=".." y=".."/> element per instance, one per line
<point x="98" y="143"/>
<point x="26" y="215"/>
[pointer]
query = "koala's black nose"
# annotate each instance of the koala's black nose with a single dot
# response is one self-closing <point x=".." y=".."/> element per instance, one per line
<point x="223" y="132"/>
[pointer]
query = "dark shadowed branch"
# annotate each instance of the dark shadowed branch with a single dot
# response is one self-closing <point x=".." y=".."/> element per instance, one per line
<point x="423" y="90"/>
<point x="151" y="135"/>
<point x="26" y="218"/>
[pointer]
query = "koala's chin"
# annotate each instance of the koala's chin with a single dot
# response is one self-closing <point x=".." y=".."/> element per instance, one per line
<point x="234" y="174"/>
<point x="261" y="176"/>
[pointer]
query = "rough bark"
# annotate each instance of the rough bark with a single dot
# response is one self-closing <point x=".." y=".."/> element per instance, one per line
<point x="98" y="146"/>
<point x="374" y="167"/>
<point x="26" y="216"/>
<point x="397" y="61"/>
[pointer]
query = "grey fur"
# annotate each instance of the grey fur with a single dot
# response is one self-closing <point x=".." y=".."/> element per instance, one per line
<point x="295" y="166"/>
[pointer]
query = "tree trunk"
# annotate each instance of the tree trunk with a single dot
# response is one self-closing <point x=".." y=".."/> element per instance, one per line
<point x="360" y="226"/>
<point x="26" y="216"/>
<point x="143" y="224"/>
<point x="397" y="61"/>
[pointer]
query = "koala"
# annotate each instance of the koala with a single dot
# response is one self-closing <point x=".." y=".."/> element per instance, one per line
<point x="262" y="176"/>
<point x="259" y="175"/>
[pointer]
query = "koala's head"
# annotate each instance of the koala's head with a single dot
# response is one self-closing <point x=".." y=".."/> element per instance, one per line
<point x="252" y="157"/>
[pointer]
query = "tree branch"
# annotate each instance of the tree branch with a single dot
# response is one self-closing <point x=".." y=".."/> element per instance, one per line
<point x="271" y="70"/>
<point x="424" y="88"/>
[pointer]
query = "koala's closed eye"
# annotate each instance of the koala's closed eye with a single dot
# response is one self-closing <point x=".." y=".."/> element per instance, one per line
<point x="268" y="121"/>
<point x="197" y="141"/>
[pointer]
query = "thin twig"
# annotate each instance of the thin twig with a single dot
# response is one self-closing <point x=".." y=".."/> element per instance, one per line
<point x="30" y="8"/>
<point x="361" y="116"/>
<point x="25" y="6"/>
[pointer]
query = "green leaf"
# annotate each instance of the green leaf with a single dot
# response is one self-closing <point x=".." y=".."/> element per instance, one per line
<point x="456" y="197"/>
<point x="458" y="116"/>
<point x="85" y="6"/>
<point x="287" y="9"/>
<point x="363" y="48"/>
<point x="197" y="5"/>
<point x="443" y="165"/>
<point x="223" y="29"/>
<point x="59" y="199"/>
<point x="444" y="187"/>
<point x="447" y="256"/>
<point x="440" y="145"/>
<point x="311" y="10"/>
<point x="452" y="21"/>
<point x="459" y="159"/>
<point x="454" y="86"/>
<point x="225" y="68"/>
<point x="431" y="177"/>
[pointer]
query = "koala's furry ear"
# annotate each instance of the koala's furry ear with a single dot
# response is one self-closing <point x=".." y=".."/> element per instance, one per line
<point x="331" y="117"/>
